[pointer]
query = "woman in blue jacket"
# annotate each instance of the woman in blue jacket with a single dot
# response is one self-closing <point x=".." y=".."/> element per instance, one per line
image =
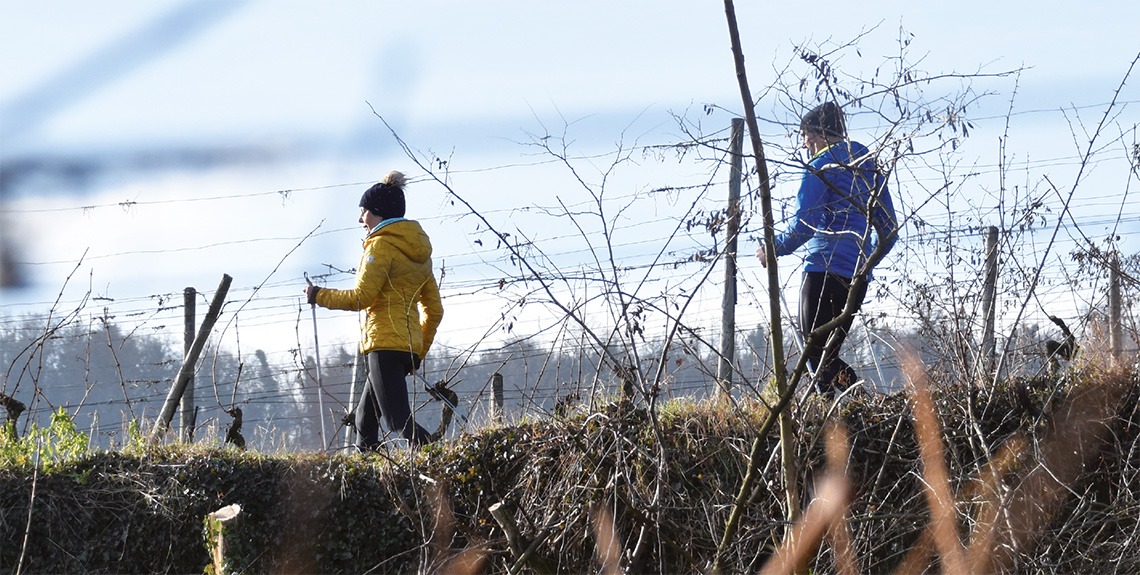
<point x="844" y="213"/>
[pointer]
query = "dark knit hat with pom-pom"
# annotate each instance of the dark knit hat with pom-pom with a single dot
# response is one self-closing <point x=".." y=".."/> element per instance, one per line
<point x="386" y="198"/>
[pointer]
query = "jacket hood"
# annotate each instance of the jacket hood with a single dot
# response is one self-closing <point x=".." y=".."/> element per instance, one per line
<point x="406" y="236"/>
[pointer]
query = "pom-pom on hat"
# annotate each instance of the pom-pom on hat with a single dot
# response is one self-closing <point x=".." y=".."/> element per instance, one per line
<point x="386" y="198"/>
<point x="825" y="119"/>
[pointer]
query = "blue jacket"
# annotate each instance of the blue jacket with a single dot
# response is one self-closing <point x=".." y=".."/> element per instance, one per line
<point x="831" y="214"/>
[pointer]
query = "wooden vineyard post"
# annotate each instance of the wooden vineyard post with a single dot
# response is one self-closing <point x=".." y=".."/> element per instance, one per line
<point x="220" y="526"/>
<point x="191" y="359"/>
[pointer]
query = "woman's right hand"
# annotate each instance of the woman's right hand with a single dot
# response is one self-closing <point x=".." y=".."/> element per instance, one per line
<point x="763" y="255"/>
<point x="311" y="294"/>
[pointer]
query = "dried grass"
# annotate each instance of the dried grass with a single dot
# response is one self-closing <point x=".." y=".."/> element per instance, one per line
<point x="604" y="491"/>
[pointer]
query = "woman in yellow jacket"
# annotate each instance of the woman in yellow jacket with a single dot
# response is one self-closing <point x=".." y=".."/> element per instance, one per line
<point x="393" y="282"/>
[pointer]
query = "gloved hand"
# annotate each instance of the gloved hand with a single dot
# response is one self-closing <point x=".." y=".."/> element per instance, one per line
<point x="311" y="294"/>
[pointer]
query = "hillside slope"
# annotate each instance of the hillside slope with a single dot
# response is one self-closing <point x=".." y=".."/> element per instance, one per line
<point x="659" y="486"/>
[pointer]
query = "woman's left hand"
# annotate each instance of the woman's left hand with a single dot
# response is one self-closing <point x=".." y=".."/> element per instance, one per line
<point x="416" y="361"/>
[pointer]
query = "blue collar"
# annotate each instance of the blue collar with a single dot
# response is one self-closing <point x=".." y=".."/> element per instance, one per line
<point x="384" y="223"/>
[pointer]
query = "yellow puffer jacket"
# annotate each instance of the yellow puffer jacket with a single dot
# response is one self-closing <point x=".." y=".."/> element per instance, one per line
<point x="393" y="281"/>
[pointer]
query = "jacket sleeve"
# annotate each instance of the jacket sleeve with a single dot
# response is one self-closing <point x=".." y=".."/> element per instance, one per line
<point x="370" y="278"/>
<point x="809" y="214"/>
<point x="433" y="311"/>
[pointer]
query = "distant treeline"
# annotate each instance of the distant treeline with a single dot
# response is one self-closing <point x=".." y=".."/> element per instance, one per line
<point x="106" y="378"/>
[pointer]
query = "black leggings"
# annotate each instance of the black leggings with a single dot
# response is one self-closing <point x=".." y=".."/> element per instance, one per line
<point x="822" y="298"/>
<point x="387" y="395"/>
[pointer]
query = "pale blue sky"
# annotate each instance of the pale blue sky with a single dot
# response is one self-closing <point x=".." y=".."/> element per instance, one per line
<point x="255" y="70"/>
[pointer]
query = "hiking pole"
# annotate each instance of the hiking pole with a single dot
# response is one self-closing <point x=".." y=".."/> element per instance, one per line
<point x="320" y="387"/>
<point x="435" y="392"/>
